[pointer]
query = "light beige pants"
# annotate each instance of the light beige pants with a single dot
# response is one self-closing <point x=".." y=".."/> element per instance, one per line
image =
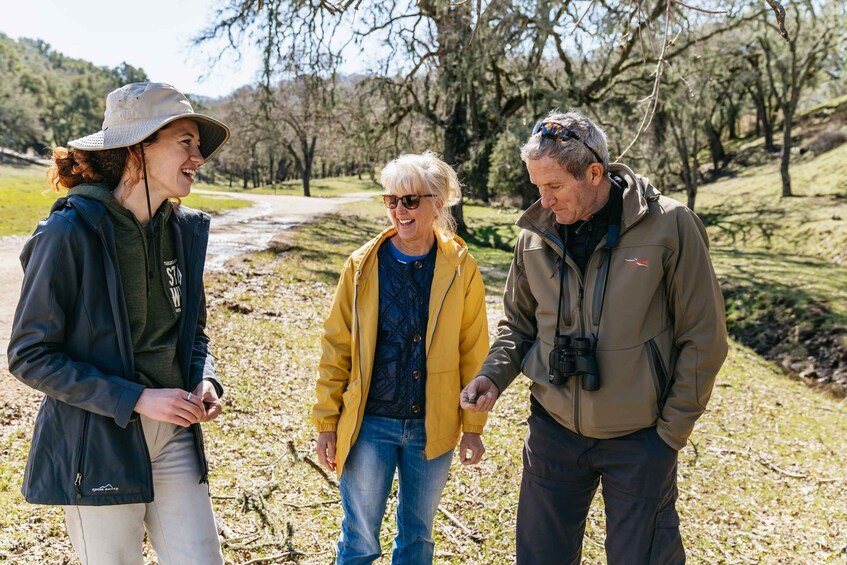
<point x="179" y="522"/>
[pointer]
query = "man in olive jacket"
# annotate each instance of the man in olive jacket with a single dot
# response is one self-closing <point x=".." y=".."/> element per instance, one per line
<point x="613" y="311"/>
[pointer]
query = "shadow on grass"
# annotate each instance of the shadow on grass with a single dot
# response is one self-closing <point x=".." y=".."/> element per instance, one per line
<point x="329" y="241"/>
<point x="772" y="309"/>
<point x="739" y="226"/>
<point x="493" y="236"/>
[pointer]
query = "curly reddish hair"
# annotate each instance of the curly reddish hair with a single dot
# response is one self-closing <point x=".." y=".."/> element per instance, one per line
<point x="75" y="166"/>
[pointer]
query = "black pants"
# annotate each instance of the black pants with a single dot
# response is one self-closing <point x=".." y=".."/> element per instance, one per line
<point x="561" y="473"/>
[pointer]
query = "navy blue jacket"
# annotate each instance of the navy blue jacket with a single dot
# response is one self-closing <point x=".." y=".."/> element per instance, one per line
<point x="71" y="341"/>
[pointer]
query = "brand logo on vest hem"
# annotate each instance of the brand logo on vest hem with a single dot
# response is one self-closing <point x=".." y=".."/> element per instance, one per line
<point x="105" y="488"/>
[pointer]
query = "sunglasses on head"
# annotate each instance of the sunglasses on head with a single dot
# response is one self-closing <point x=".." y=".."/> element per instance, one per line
<point x="552" y="130"/>
<point x="410" y="201"/>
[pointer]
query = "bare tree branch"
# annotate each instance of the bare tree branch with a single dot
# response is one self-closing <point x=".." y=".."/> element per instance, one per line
<point x="779" y="12"/>
<point x="654" y="96"/>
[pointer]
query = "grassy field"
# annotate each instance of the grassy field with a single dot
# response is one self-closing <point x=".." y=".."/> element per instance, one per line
<point x="783" y="261"/>
<point x="762" y="480"/>
<point x="25" y="198"/>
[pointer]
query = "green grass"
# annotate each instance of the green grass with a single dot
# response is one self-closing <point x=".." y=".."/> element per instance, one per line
<point x="747" y="211"/>
<point x="322" y="188"/>
<point x="25" y="198"/>
<point x="830" y="106"/>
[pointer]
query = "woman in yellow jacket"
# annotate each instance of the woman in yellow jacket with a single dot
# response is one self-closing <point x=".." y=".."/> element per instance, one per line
<point x="406" y="332"/>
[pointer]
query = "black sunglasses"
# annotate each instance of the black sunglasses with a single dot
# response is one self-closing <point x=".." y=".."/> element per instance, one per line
<point x="552" y="130"/>
<point x="410" y="201"/>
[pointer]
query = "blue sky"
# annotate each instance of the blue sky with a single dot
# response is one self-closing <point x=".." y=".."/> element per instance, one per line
<point x="152" y="34"/>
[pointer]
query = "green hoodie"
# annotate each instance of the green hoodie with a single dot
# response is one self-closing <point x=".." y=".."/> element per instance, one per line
<point x="151" y="280"/>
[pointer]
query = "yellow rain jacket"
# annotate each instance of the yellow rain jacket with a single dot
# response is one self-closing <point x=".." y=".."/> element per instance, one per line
<point x="456" y="345"/>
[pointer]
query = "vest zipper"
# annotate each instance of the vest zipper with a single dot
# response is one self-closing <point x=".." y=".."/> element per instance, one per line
<point x="431" y="328"/>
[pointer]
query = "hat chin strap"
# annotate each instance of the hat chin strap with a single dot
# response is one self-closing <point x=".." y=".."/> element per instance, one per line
<point x="149" y="227"/>
<point x="146" y="189"/>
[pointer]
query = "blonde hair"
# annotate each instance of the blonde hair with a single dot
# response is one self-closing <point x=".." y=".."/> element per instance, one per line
<point x="425" y="174"/>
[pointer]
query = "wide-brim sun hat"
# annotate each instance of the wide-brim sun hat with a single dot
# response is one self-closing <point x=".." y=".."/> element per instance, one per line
<point x="136" y="111"/>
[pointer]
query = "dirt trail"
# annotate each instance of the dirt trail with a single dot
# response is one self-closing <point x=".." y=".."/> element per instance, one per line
<point x="233" y="233"/>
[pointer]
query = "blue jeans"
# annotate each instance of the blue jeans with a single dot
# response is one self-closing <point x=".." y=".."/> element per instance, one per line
<point x="383" y="445"/>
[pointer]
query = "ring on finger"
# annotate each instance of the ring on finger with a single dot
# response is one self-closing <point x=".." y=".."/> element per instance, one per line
<point x="188" y="398"/>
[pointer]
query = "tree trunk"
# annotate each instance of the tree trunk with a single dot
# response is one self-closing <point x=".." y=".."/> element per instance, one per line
<point x="732" y="114"/>
<point x="456" y="151"/>
<point x="715" y="146"/>
<point x="692" y="188"/>
<point x="308" y="161"/>
<point x="762" y="115"/>
<point x="453" y="27"/>
<point x="767" y="129"/>
<point x="785" y="155"/>
<point x="529" y="194"/>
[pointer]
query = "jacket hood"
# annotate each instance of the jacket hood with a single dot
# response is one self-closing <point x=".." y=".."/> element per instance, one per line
<point x="452" y="247"/>
<point x="121" y="215"/>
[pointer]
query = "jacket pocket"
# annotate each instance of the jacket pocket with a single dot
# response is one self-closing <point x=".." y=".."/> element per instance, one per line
<point x="661" y="377"/>
<point x="627" y="398"/>
<point x="667" y="548"/>
<point x="113" y="462"/>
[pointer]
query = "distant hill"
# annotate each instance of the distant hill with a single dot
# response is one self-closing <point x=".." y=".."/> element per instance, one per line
<point x="47" y="98"/>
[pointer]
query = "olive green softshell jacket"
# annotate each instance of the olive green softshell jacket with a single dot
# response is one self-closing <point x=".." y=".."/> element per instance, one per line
<point x="661" y="338"/>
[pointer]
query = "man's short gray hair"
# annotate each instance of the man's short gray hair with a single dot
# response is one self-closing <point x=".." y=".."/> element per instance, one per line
<point x="574" y="155"/>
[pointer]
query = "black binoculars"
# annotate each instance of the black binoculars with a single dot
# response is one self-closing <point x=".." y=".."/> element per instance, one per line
<point x="574" y="357"/>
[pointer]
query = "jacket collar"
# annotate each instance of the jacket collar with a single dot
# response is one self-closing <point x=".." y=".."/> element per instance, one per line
<point x="638" y="193"/>
<point x="452" y="247"/>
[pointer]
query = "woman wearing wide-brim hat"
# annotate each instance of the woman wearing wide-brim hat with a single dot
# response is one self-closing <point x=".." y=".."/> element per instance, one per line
<point x="110" y="327"/>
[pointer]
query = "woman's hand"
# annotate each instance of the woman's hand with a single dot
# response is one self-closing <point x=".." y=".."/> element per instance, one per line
<point x="208" y="396"/>
<point x="471" y="449"/>
<point x="325" y="448"/>
<point x="172" y="405"/>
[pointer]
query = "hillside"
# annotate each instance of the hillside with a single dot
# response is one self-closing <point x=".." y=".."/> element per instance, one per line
<point x="47" y="98"/>
<point x="783" y="264"/>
